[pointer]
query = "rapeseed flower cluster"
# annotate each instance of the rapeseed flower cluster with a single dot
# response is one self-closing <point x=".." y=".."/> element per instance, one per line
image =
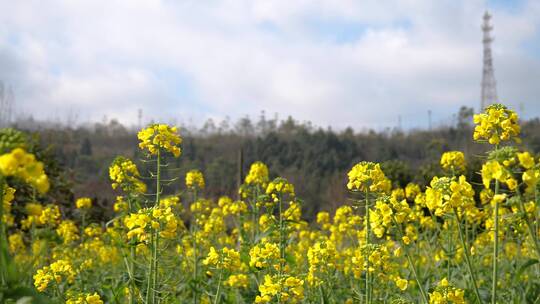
<point x="195" y="180"/>
<point x="59" y="271"/>
<point x="225" y="258"/>
<point x="445" y="293"/>
<point x="85" y="299"/>
<point x="258" y="174"/>
<point x="453" y="161"/>
<point x="230" y="207"/>
<point x="264" y="255"/>
<point x="159" y="136"/>
<point x="124" y="174"/>
<point x="368" y="176"/>
<point x="162" y="219"/>
<point x="284" y="289"/>
<point x="321" y="257"/>
<point x="496" y="124"/>
<point x="278" y="188"/>
<point x="25" y="166"/>
<point x="83" y="203"/>
<point x="445" y="194"/>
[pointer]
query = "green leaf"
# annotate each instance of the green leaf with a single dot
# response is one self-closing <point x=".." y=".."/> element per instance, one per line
<point x="524" y="267"/>
<point x="25" y="295"/>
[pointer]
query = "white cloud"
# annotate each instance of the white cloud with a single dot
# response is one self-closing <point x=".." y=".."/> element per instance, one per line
<point x="240" y="57"/>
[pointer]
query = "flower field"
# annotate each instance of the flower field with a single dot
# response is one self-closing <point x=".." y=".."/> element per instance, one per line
<point x="450" y="241"/>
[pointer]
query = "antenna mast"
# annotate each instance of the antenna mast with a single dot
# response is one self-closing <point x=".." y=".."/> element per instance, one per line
<point x="489" y="85"/>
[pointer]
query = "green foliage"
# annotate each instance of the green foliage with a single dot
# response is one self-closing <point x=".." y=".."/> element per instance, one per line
<point x="11" y="139"/>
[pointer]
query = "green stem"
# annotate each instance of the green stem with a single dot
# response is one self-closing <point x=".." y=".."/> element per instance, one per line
<point x="368" y="228"/>
<point x="195" y="253"/>
<point x="60" y="294"/>
<point x="4" y="252"/>
<point x="156" y="237"/>
<point x="449" y="253"/>
<point x="409" y="260"/>
<point x="495" y="249"/>
<point x="156" y="264"/>
<point x="256" y="214"/>
<point x="281" y="245"/>
<point x="321" y="293"/>
<point x="467" y="258"/>
<point x="132" y="274"/>
<point x="153" y="273"/>
<point x="158" y="177"/>
<point x="131" y="262"/>
<point x="218" y="292"/>
<point x="149" y="295"/>
<point x="83" y="219"/>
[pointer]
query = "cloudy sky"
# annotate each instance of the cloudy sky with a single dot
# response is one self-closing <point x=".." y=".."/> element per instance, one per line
<point x="332" y="62"/>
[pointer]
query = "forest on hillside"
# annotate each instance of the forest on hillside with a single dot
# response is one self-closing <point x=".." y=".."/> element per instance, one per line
<point x="314" y="159"/>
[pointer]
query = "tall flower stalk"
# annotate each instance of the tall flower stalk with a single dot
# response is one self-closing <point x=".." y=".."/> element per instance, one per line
<point x="461" y="198"/>
<point x="125" y="174"/>
<point x="278" y="190"/>
<point x="368" y="232"/>
<point x="497" y="124"/>
<point x="255" y="182"/>
<point x="25" y="167"/>
<point x="156" y="139"/>
<point x="367" y="177"/>
<point x="195" y="274"/>
<point x="495" y="276"/>
<point x="194" y="182"/>
<point x="3" y="242"/>
<point x="152" y="280"/>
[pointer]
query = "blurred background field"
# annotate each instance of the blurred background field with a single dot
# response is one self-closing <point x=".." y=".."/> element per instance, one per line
<point x="314" y="159"/>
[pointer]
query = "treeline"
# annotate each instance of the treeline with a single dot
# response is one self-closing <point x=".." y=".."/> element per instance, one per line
<point x="315" y="160"/>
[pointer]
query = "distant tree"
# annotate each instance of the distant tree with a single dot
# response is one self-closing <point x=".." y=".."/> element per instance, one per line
<point x="262" y="124"/>
<point x="288" y="126"/>
<point x="209" y="127"/>
<point x="115" y="128"/>
<point x="86" y="147"/>
<point x="224" y="125"/>
<point x="245" y="127"/>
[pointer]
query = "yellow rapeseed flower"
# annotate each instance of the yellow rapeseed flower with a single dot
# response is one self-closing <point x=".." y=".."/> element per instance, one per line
<point x="289" y="289"/>
<point x="68" y="231"/>
<point x="526" y="160"/>
<point x="124" y="173"/>
<point x="24" y="165"/>
<point x="368" y="176"/>
<point x="226" y="258"/>
<point x="58" y="271"/>
<point x="160" y="136"/>
<point x="258" y="174"/>
<point x="496" y="124"/>
<point x="278" y="188"/>
<point x="85" y="299"/>
<point x="263" y="255"/>
<point x="83" y="203"/>
<point x="238" y="281"/>
<point x="453" y="160"/>
<point x="445" y="293"/>
<point x="195" y="179"/>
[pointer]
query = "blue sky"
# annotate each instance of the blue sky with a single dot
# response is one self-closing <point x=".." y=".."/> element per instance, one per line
<point x="338" y="63"/>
